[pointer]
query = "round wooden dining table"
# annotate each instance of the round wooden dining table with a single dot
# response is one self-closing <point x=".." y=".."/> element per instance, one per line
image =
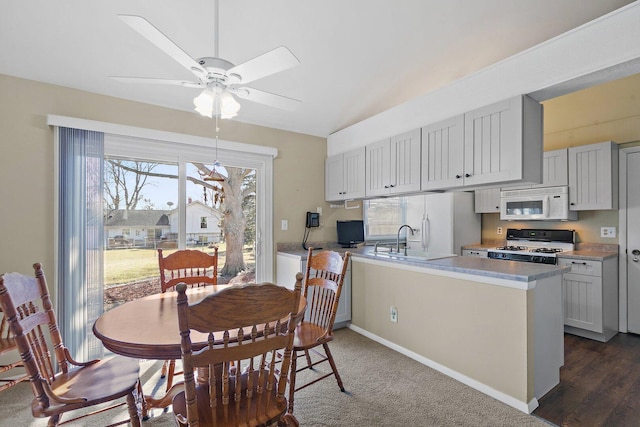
<point x="147" y="328"/>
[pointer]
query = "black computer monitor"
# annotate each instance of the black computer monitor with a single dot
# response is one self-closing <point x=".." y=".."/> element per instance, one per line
<point x="350" y="233"/>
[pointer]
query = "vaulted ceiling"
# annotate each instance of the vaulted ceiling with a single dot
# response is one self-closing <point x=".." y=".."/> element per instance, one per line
<point x="358" y="57"/>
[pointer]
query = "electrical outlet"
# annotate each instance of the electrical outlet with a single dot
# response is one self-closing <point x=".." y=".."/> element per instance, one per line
<point x="608" y="232"/>
<point x="285" y="225"/>
<point x="499" y="230"/>
<point x="393" y="314"/>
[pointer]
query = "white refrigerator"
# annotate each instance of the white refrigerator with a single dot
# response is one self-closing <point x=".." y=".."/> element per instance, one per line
<point x="444" y="222"/>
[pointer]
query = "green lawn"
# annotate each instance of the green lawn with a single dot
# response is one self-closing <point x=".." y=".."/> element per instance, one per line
<point x="130" y="265"/>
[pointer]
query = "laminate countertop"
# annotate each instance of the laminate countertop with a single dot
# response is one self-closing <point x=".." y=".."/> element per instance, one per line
<point x="490" y="268"/>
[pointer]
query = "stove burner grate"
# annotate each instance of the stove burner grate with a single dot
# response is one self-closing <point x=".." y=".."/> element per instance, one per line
<point x="546" y="250"/>
<point x="511" y="248"/>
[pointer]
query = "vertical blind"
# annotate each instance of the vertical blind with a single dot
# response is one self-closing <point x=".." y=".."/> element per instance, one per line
<point x="80" y="242"/>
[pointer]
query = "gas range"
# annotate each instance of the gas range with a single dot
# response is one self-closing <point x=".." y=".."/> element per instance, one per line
<point x="534" y="245"/>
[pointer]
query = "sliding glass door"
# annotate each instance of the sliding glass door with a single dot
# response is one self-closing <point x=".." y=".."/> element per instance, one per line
<point x="144" y="212"/>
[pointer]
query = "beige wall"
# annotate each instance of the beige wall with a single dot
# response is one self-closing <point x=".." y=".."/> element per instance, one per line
<point x="587" y="226"/>
<point x="476" y="329"/>
<point x="26" y="164"/>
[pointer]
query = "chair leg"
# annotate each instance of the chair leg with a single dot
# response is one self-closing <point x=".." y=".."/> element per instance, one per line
<point x="171" y="371"/>
<point x="308" y="356"/>
<point x="163" y="372"/>
<point x="288" y="420"/>
<point x="53" y="421"/>
<point x="292" y="379"/>
<point x="333" y="365"/>
<point x="133" y="410"/>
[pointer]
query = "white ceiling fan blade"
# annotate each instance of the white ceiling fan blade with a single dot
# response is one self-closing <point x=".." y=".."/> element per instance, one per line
<point x="266" y="98"/>
<point x="147" y="80"/>
<point x="164" y="43"/>
<point x="274" y="61"/>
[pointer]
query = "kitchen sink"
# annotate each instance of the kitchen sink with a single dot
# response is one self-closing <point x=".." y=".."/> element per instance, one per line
<point x="412" y="255"/>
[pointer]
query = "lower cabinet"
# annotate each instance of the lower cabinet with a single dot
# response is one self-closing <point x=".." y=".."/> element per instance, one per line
<point x="288" y="265"/>
<point x="590" y="295"/>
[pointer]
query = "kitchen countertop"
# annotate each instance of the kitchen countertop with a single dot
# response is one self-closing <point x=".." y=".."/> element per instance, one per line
<point x="589" y="255"/>
<point x="499" y="269"/>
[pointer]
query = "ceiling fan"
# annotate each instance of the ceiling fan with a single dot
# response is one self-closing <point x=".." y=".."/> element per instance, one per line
<point x="218" y="78"/>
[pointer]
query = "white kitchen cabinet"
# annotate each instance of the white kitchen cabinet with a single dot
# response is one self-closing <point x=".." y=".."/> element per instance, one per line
<point x="487" y="200"/>
<point x="590" y="297"/>
<point x="393" y="165"/>
<point x="554" y="170"/>
<point x="502" y="144"/>
<point x="478" y="253"/>
<point x="593" y="176"/>
<point x="288" y="265"/>
<point x="344" y="175"/>
<point x="442" y="149"/>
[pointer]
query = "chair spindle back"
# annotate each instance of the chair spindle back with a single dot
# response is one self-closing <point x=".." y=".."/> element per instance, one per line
<point x="188" y="266"/>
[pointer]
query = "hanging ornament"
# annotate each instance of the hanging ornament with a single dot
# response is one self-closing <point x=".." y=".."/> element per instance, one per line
<point x="214" y="175"/>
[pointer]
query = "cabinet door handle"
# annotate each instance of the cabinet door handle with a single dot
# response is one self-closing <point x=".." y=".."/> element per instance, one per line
<point x="386" y="186"/>
<point x="572" y="204"/>
<point x="578" y="263"/>
<point x="391" y="186"/>
<point x="467" y="175"/>
<point x="458" y="177"/>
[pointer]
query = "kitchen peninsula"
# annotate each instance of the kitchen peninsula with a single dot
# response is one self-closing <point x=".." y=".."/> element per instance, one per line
<point x="494" y="325"/>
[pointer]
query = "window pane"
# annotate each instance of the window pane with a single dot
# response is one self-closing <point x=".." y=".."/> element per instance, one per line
<point x="141" y="216"/>
<point x="383" y="217"/>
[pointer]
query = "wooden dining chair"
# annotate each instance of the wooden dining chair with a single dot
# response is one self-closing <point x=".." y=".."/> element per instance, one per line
<point x="10" y="364"/>
<point x="193" y="267"/>
<point x="246" y="327"/>
<point x="323" y="280"/>
<point x="59" y="383"/>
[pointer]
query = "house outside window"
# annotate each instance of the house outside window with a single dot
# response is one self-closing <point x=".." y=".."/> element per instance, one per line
<point x="382" y="217"/>
<point x="203" y="222"/>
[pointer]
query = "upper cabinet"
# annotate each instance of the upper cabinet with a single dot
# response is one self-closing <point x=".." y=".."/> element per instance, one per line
<point x="393" y="165"/>
<point x="442" y="154"/>
<point x="554" y="170"/>
<point x="495" y="142"/>
<point x="344" y="175"/>
<point x="593" y="176"/>
<point x="487" y="200"/>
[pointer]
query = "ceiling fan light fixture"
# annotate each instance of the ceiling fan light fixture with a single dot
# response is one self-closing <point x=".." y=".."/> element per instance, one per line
<point x="229" y="107"/>
<point x="211" y="103"/>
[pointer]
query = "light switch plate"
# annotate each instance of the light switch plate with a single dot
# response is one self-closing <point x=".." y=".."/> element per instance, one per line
<point x="285" y="224"/>
<point x="608" y="232"/>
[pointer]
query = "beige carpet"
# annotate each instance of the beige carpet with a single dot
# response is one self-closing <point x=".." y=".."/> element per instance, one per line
<point x="384" y="388"/>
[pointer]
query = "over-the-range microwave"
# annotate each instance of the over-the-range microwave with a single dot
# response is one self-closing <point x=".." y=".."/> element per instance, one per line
<point x="542" y="204"/>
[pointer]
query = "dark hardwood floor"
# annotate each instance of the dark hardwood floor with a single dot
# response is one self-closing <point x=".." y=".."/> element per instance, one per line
<point x="599" y="384"/>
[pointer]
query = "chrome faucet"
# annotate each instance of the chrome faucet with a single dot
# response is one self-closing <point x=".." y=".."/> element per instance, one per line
<point x="398" y="238"/>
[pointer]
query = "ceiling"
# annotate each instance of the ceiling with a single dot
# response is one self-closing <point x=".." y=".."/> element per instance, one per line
<point x="358" y="57"/>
